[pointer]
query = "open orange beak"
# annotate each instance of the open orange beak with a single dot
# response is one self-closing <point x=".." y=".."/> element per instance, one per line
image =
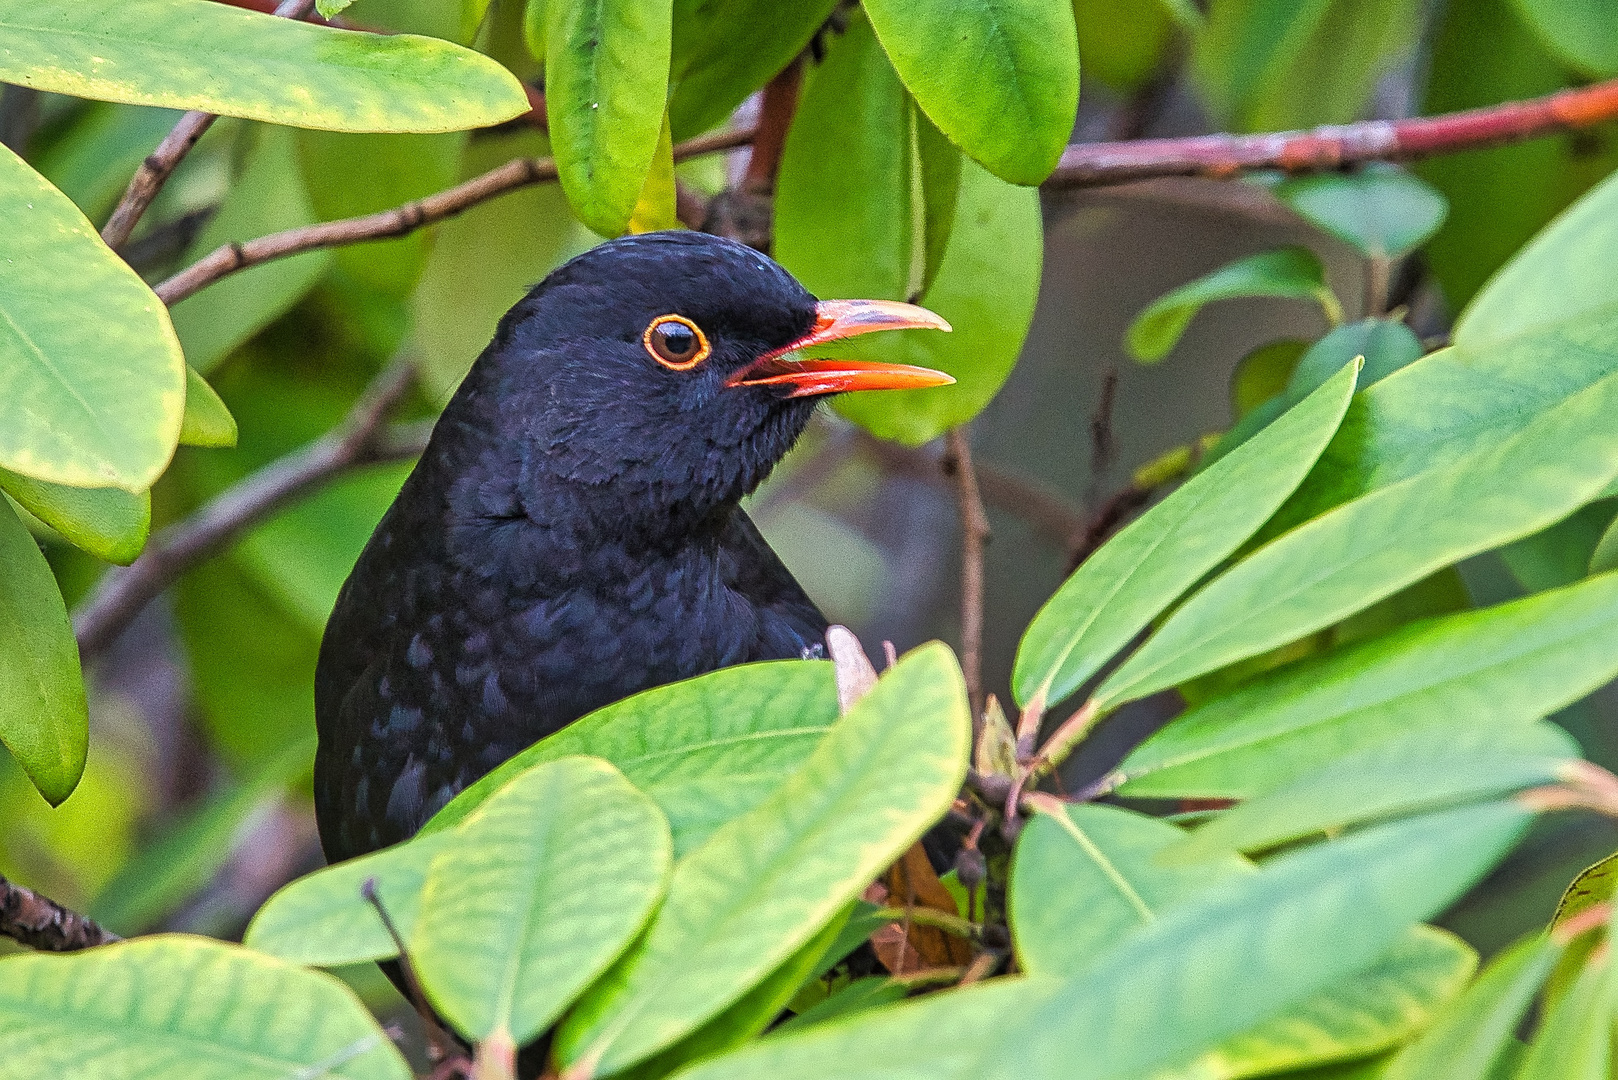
<point x="835" y="320"/>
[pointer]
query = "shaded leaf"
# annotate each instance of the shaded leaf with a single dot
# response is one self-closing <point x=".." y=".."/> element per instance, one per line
<point x="1263" y="373"/>
<point x="1356" y="554"/>
<point x="1137" y="574"/>
<point x="1501" y="666"/>
<point x="706" y="750"/>
<point x="606" y="81"/>
<point x="1386" y="344"/>
<point x="109" y="523"/>
<point x="766" y="882"/>
<point x="999" y="77"/>
<point x="182" y="54"/>
<point x="92" y="384"/>
<point x="1122" y="42"/>
<point x="545" y="885"/>
<point x="1593" y="886"/>
<point x="939" y="166"/>
<point x="206" y="421"/>
<point x="44" y="720"/>
<point x="1084" y="877"/>
<point x="1289" y="273"/>
<point x="1574" y="1040"/>
<point x="1381" y="210"/>
<point x="1470" y="1035"/>
<point x="655" y="207"/>
<point x="91" y="162"/>
<point x="871" y="992"/>
<point x="1580" y="32"/>
<point x="1207" y="970"/>
<point x="1605" y="555"/>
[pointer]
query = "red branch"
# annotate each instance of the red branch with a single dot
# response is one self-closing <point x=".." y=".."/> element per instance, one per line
<point x="1221" y="157"/>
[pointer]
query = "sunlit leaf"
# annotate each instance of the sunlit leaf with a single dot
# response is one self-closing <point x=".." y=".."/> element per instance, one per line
<point x="655" y="207"/>
<point x="999" y="77"/>
<point x="1498" y="667"/>
<point x="1138" y="573"/>
<point x="44" y="720"/>
<point x="186" y="54"/>
<point x="206" y="421"/>
<point x="184" y="1006"/>
<point x="546" y="883"/>
<point x="1290" y="273"/>
<point x="765" y="883"/>
<point x="92" y="384"/>
<point x="1593" y="886"/>
<point x="109" y="523"/>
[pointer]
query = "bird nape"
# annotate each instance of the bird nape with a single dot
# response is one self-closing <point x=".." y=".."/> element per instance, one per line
<point x="572" y="533"/>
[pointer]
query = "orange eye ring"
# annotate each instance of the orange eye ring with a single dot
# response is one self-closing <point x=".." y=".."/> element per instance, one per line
<point x="663" y="342"/>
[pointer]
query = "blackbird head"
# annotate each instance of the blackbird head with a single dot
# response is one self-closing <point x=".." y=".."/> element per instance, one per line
<point x="661" y="373"/>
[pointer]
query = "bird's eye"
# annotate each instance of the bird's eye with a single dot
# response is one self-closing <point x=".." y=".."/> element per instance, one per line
<point x="676" y="342"/>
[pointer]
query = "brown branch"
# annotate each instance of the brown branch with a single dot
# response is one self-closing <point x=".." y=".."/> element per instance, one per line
<point x="1221" y="157"/>
<point x="362" y="439"/>
<point x="974" y="538"/>
<point x="160" y="164"/>
<point x="519" y="173"/>
<point x="41" y="923"/>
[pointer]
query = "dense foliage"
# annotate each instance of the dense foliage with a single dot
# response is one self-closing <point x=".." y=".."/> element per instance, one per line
<point x="682" y="882"/>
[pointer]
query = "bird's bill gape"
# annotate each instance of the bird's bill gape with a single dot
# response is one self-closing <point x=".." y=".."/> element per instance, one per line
<point x="835" y="320"/>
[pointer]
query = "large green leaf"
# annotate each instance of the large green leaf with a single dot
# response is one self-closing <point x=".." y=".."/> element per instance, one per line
<point x="109" y="523"/>
<point x="268" y="196"/>
<point x="999" y="77"/>
<point x="1468" y="1037"/>
<point x="1437" y="765"/>
<point x="1147" y="566"/>
<point x="1084" y="876"/>
<point x="184" y="1006"/>
<point x="723" y="50"/>
<point x="1268" y="65"/>
<point x="1574" y="1040"/>
<point x="1382" y="211"/>
<point x="706" y="750"/>
<point x="1209" y="969"/>
<point x="546" y="884"/>
<point x="1369" y="1012"/>
<point x="606" y="81"/>
<point x="92" y="385"/>
<point x="1356" y="554"/>
<point x="187" y="54"/>
<point x="1123" y="42"/>
<point x="44" y="720"/>
<point x="1500" y="666"/>
<point x="1291" y="273"/>
<point x="1583" y="33"/>
<point x="766" y="882"/>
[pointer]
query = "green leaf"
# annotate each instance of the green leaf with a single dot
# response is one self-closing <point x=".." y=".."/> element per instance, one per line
<point x="185" y="54"/>
<point x="999" y="77"/>
<point x="1364" y="1014"/>
<point x="183" y="1006"/>
<point x="44" y="720"/>
<point x="206" y="421"/>
<point x="268" y="196"/>
<point x="723" y="50"/>
<point x="1209" y="969"/>
<point x="92" y="384"/>
<point x="1470" y="1035"/>
<point x="766" y="882"/>
<point x="92" y="160"/>
<point x="1274" y="65"/>
<point x="606" y="81"/>
<point x="1593" y="886"/>
<point x="1381" y="210"/>
<point x="1436" y="765"/>
<point x="1123" y="42"/>
<point x="1386" y="345"/>
<point x="322" y="919"/>
<point x="328" y="8"/>
<point x="1356" y="554"/>
<point x="1263" y="373"/>
<point x="871" y="992"/>
<point x="1574" y="1041"/>
<point x="655" y="208"/>
<point x="1562" y="553"/>
<point x="1498" y="667"/>
<point x="706" y="750"/>
<point x="1137" y="574"/>
<point x="544" y="886"/>
<point x="939" y="165"/>
<point x="1579" y="32"/>
<point x="109" y="523"/>
<point x="1084" y="877"/>
<point x="1290" y="273"/>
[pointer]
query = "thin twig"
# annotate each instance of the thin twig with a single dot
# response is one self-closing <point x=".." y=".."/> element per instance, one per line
<point x="518" y="173"/>
<point x="41" y="923"/>
<point x="362" y="439"/>
<point x="974" y="538"/>
<point x="440" y="1045"/>
<point x="160" y="164"/>
<point x="1221" y="157"/>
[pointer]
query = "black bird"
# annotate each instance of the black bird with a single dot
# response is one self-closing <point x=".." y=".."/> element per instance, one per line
<point x="572" y="533"/>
